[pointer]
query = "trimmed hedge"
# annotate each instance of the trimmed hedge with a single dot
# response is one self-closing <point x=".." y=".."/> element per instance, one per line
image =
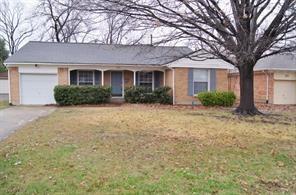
<point x="77" y="95"/>
<point x="216" y="98"/>
<point x="144" y="95"/>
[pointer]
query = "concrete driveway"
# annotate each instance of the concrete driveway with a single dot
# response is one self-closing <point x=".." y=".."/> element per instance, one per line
<point x="13" y="118"/>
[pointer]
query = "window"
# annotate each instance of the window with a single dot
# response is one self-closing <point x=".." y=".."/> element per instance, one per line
<point x="85" y="77"/>
<point x="200" y="80"/>
<point x="146" y="79"/>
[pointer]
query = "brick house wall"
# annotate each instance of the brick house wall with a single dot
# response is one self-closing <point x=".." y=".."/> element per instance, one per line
<point x="260" y="86"/>
<point x="169" y="78"/>
<point x="63" y="77"/>
<point x="181" y="87"/>
<point x="221" y="80"/>
<point x="14" y="85"/>
<point x="128" y="78"/>
<point x="181" y="82"/>
<point x="107" y="78"/>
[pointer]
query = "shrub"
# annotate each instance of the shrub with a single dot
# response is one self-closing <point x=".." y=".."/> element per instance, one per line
<point x="163" y="95"/>
<point x="77" y="95"/>
<point x="145" y="95"/>
<point x="216" y="98"/>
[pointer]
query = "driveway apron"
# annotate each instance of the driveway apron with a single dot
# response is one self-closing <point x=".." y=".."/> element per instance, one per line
<point x="14" y="118"/>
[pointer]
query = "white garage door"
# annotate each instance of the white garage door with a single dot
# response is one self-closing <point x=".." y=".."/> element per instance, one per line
<point x="38" y="88"/>
<point x="285" y="92"/>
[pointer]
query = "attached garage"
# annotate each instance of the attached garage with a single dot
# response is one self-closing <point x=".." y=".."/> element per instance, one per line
<point x="285" y="92"/>
<point x="284" y="87"/>
<point x="37" y="89"/>
<point x="274" y="80"/>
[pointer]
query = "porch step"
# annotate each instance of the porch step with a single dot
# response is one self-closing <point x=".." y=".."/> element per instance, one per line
<point x="117" y="100"/>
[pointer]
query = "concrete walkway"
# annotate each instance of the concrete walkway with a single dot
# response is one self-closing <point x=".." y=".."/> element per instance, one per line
<point x="13" y="118"/>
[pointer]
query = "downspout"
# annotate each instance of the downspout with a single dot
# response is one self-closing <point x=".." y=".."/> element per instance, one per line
<point x="174" y="98"/>
<point x="173" y="87"/>
<point x="267" y="87"/>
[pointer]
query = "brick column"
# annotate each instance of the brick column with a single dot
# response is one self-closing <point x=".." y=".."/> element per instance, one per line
<point x="63" y="77"/>
<point x="14" y="81"/>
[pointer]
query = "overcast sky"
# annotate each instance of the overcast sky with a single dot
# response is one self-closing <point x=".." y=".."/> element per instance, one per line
<point x="29" y="8"/>
<point x="29" y="5"/>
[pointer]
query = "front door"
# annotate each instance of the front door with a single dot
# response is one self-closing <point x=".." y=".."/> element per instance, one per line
<point x="116" y="83"/>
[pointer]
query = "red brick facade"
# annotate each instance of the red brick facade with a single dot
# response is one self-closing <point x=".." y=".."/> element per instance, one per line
<point x="14" y="85"/>
<point x="262" y="93"/>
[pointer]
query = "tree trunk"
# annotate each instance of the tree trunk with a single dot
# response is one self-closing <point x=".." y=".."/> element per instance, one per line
<point x="247" y="104"/>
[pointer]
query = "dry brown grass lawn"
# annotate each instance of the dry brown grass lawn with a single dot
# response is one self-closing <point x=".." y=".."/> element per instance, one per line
<point x="137" y="149"/>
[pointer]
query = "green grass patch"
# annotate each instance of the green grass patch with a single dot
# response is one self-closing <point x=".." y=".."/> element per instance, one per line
<point x="135" y="150"/>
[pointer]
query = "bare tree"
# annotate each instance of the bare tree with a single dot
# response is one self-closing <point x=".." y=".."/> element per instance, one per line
<point x="240" y="32"/>
<point x="119" y="29"/>
<point x="62" y="22"/>
<point x="14" y="27"/>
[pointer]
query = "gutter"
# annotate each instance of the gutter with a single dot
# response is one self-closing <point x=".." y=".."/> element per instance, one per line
<point x="80" y="64"/>
<point x="173" y="88"/>
<point x="267" y="86"/>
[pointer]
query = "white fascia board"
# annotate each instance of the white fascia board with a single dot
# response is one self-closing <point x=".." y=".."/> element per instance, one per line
<point x="206" y="64"/>
<point x="201" y="67"/>
<point x="38" y="69"/>
<point x="90" y="66"/>
<point x="70" y="64"/>
<point x="278" y="69"/>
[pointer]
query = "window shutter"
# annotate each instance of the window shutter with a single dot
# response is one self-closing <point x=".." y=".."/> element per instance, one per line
<point x="97" y="77"/>
<point x="212" y="79"/>
<point x="157" y="79"/>
<point x="73" y="77"/>
<point x="190" y="82"/>
<point x="137" y="79"/>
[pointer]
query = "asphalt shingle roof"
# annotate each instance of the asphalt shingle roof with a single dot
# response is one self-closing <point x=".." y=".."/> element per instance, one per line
<point x="88" y="53"/>
<point x="277" y="62"/>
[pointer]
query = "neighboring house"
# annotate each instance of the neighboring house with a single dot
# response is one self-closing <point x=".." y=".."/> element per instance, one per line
<point x="4" y="86"/>
<point x="274" y="80"/>
<point x="38" y="67"/>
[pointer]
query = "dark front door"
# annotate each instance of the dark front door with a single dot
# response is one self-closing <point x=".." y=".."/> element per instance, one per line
<point x="116" y="83"/>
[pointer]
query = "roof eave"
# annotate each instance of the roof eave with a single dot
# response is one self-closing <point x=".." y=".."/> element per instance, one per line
<point x="10" y="64"/>
<point x="279" y="69"/>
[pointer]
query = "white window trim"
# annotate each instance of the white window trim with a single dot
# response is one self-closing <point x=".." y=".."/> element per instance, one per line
<point x="88" y="71"/>
<point x="209" y="80"/>
<point x="153" y="78"/>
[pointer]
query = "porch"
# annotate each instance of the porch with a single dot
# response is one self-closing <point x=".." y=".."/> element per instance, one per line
<point x="118" y="79"/>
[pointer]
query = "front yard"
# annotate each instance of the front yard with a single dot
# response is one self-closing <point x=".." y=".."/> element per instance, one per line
<point x="138" y="150"/>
